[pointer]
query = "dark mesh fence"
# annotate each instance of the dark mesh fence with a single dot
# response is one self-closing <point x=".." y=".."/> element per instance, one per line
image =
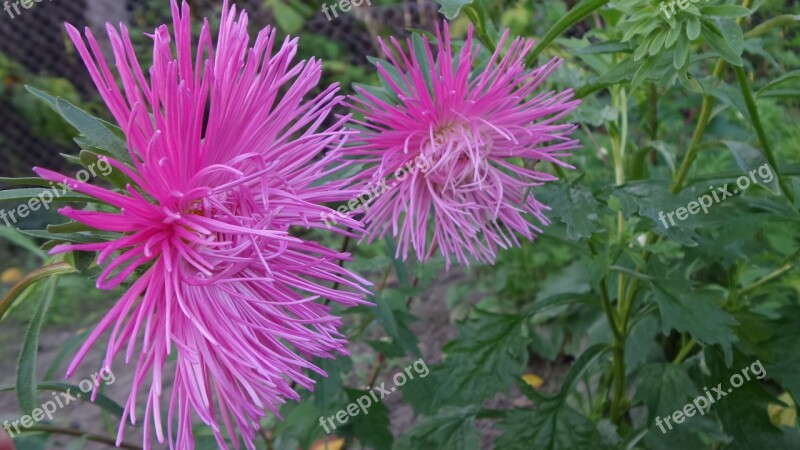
<point x="35" y="50"/>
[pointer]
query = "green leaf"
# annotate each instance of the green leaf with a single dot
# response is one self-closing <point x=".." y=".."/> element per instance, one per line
<point x="399" y="266"/>
<point x="658" y="43"/>
<point x="750" y="159"/>
<point x="575" y="15"/>
<point x="26" y="194"/>
<point x="782" y="79"/>
<point x="783" y="360"/>
<point x="687" y="310"/>
<point x="725" y="11"/>
<point x="665" y="388"/>
<point x="94" y="129"/>
<point x="422" y="58"/>
<point x="693" y="28"/>
<point x="27" y="393"/>
<point x="451" y="429"/>
<point x="390" y="311"/>
<point x="116" y="177"/>
<point x="651" y="199"/>
<point x="328" y="390"/>
<point x="681" y="54"/>
<point x="554" y="424"/>
<point x="603" y="47"/>
<point x="452" y="8"/>
<point x="300" y="428"/>
<point x="102" y="401"/>
<point x="721" y="47"/>
<point x="732" y="35"/>
<point x="578" y="209"/>
<point x="19" y="239"/>
<point x="25" y="181"/>
<point x="743" y="411"/>
<point x="78" y="238"/>
<point x="371" y="425"/>
<point x="489" y="356"/>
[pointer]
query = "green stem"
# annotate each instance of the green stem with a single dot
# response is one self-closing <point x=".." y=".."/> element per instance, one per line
<point x="684" y="352"/>
<point x="762" y="135"/>
<point x="775" y="22"/>
<point x="29" y="280"/>
<point x="618" y="395"/>
<point x="767" y="278"/>
<point x="618" y="144"/>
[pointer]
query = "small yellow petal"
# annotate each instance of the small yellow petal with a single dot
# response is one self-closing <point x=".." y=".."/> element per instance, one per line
<point x="533" y="381"/>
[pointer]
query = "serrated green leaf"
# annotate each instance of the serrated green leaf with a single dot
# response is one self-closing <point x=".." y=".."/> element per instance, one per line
<point x="695" y="312"/>
<point x="665" y="388"/>
<point x="488" y="357"/>
<point x="578" y="209"/>
<point x="89" y="126"/>
<point x="27" y="392"/>
<point x="553" y="424"/>
<point x="451" y="429"/>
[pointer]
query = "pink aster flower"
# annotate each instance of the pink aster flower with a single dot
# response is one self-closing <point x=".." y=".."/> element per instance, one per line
<point x="228" y="148"/>
<point x="475" y="127"/>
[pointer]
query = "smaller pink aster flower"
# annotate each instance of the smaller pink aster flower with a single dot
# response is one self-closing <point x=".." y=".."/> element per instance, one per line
<point x="474" y="128"/>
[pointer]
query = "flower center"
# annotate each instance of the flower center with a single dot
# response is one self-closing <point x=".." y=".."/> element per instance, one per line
<point x="458" y="155"/>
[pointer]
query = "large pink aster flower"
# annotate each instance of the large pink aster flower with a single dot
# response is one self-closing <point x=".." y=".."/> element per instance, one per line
<point x="227" y="152"/>
<point x="474" y="127"/>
